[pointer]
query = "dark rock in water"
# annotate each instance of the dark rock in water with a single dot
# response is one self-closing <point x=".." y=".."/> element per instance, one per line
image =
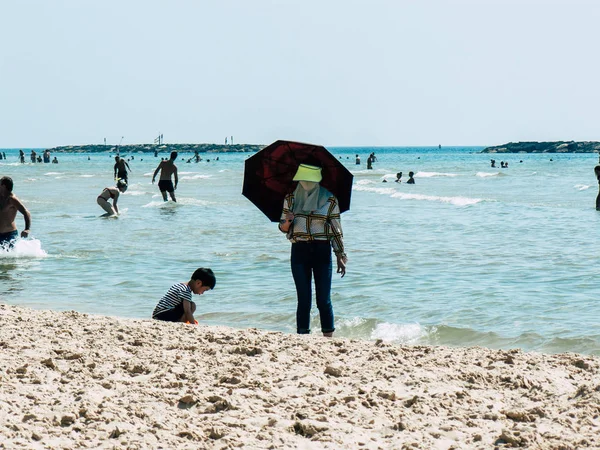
<point x="546" y="147"/>
<point x="161" y="148"/>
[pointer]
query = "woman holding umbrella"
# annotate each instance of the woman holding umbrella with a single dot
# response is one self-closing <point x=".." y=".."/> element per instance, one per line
<point x="311" y="221"/>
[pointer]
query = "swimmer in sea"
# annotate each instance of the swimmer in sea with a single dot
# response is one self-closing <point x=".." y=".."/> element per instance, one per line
<point x="167" y="169"/>
<point x="111" y="193"/>
<point x="9" y="206"/>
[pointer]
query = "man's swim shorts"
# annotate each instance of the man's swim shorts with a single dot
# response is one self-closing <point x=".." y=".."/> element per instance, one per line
<point x="7" y="240"/>
<point x="166" y="185"/>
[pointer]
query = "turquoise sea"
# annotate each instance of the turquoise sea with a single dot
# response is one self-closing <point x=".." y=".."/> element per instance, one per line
<point x="469" y="255"/>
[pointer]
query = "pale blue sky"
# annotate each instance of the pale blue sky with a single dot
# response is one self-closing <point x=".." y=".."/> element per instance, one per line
<point x="338" y="72"/>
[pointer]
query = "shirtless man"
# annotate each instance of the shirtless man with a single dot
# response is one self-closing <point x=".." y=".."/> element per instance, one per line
<point x="9" y="205"/>
<point x="121" y="168"/>
<point x="167" y="168"/>
<point x="597" y="172"/>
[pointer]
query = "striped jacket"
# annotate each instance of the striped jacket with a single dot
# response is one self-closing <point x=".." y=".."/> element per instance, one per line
<point x="323" y="224"/>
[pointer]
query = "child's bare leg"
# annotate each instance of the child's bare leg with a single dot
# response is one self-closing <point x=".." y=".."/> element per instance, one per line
<point x="193" y="308"/>
<point x="106" y="206"/>
<point x="172" y="194"/>
<point x="164" y="194"/>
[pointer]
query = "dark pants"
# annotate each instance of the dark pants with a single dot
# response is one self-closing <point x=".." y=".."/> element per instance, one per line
<point x="310" y="258"/>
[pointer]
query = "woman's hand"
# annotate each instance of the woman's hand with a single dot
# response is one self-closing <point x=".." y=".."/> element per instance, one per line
<point x="341" y="264"/>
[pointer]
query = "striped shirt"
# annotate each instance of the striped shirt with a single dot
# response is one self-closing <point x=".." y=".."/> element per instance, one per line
<point x="322" y="224"/>
<point x="173" y="298"/>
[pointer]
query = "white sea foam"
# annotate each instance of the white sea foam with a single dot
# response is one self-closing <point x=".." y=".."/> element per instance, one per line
<point x="403" y="334"/>
<point x="486" y="174"/>
<point x="370" y="172"/>
<point x="582" y="187"/>
<point x="192" y="201"/>
<point x="86" y="176"/>
<point x="24" y="248"/>
<point x="160" y="204"/>
<point x="434" y="174"/>
<point x="195" y="177"/>
<point x="54" y="173"/>
<point x="180" y="202"/>
<point x="392" y="192"/>
<point x="354" y="322"/>
<point x="135" y="193"/>
<point x="378" y="190"/>
<point x="364" y="182"/>
<point x="458" y="201"/>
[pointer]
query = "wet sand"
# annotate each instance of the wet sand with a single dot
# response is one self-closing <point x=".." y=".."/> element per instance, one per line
<point x="71" y="380"/>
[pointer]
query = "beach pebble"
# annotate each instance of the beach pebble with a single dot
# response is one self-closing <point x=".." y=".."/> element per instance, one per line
<point x="114" y="434"/>
<point x="67" y="420"/>
<point x="187" y="399"/>
<point x="580" y="363"/>
<point x="334" y="371"/>
<point x="387" y="395"/>
<point x="216" y="433"/>
<point x="48" y="363"/>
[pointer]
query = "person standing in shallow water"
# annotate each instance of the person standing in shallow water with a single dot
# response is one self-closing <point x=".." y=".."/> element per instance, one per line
<point x="311" y="221"/>
<point x="411" y="179"/>
<point x="167" y="168"/>
<point x="9" y="206"/>
<point x="121" y="167"/>
<point x="597" y="172"/>
<point x="111" y="193"/>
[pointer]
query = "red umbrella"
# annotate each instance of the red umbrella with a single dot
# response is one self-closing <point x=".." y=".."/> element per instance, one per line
<point x="268" y="175"/>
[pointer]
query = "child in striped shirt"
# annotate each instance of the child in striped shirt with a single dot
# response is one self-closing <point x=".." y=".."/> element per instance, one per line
<point x="177" y="304"/>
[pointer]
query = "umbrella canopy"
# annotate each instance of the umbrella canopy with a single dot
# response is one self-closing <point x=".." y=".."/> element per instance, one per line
<point x="268" y="175"/>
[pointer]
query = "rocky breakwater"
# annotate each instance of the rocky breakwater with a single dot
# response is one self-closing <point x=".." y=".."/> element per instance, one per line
<point x="546" y="147"/>
<point x="161" y="148"/>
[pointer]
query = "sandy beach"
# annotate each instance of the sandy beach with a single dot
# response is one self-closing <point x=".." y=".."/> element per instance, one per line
<point x="71" y="380"/>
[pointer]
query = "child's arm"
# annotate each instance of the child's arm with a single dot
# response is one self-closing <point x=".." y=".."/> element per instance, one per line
<point x="188" y="314"/>
<point x="115" y="207"/>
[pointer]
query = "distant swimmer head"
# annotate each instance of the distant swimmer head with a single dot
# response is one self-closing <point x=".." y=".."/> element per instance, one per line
<point x="121" y="185"/>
